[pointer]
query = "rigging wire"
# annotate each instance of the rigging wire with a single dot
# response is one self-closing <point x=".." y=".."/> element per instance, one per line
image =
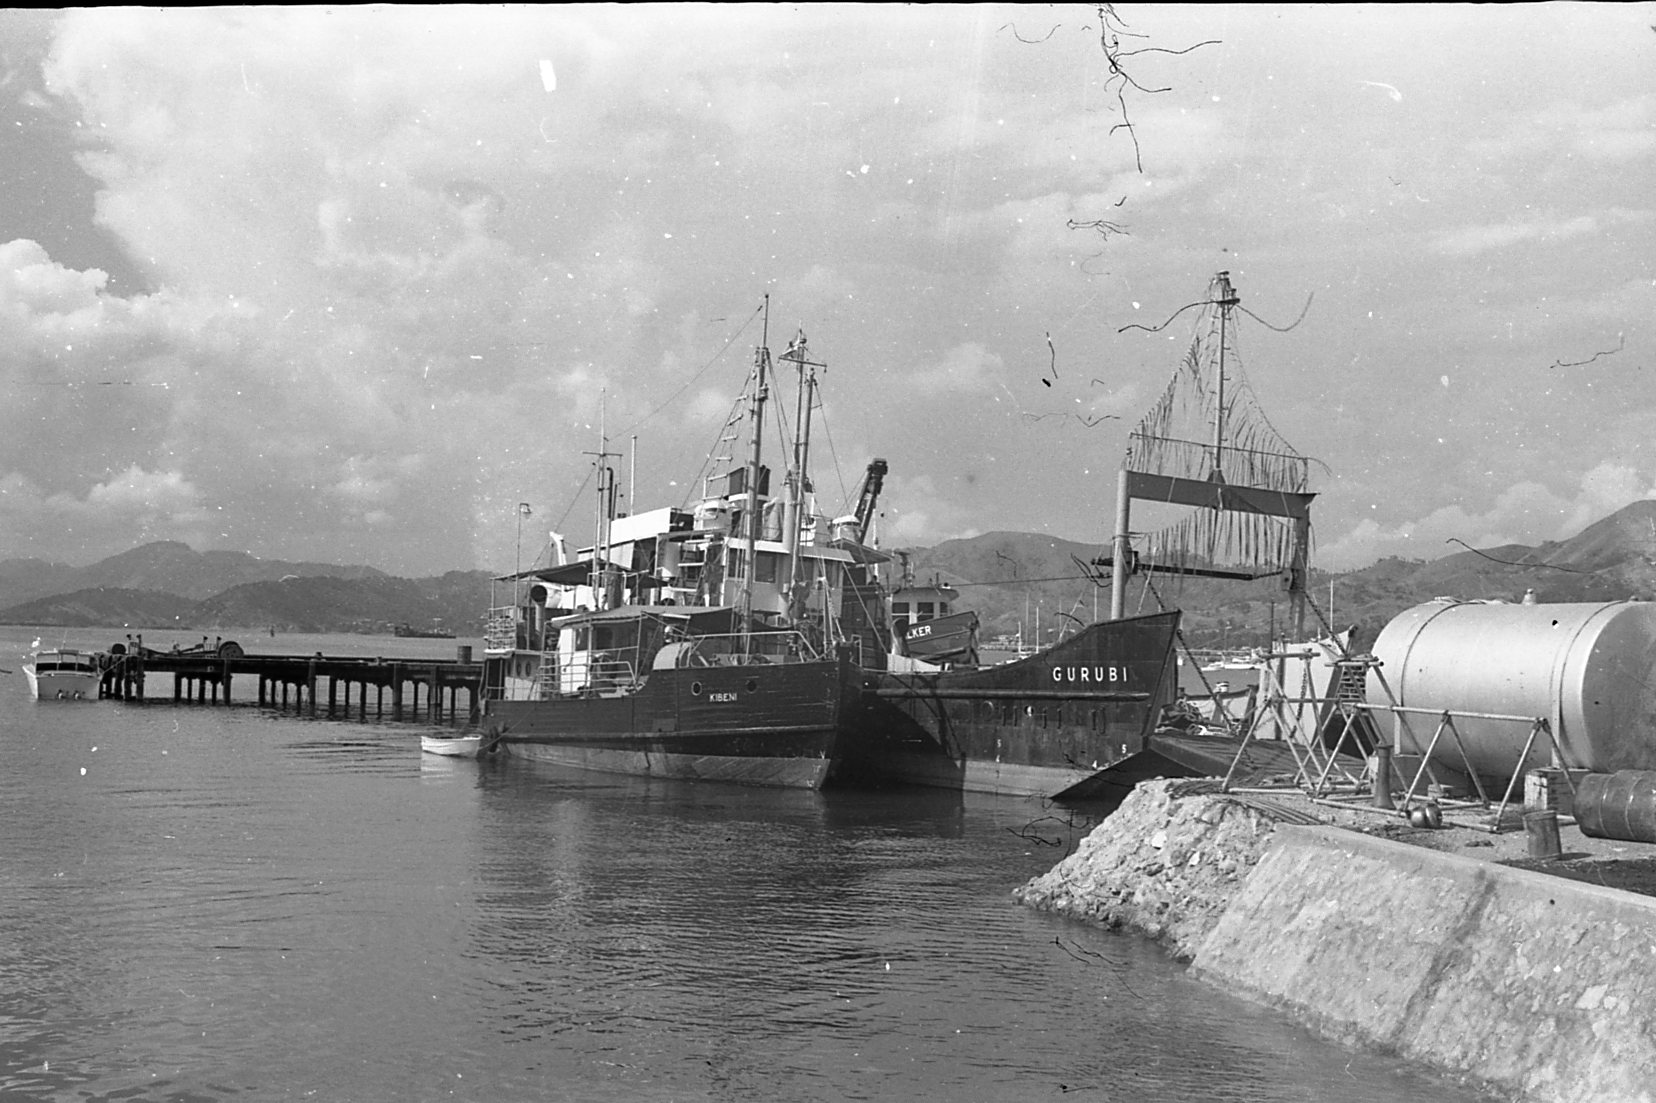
<point x="1024" y="581"/>
<point x="846" y="504"/>
<point x="694" y="487"/>
<point x="1214" y="302"/>
<point x="575" y="498"/>
<point x="1170" y="318"/>
<point x="668" y="401"/>
<point x="557" y="526"/>
<point x="1511" y="563"/>
<point x="1304" y="310"/>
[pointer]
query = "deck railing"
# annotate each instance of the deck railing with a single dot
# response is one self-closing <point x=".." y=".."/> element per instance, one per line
<point x="506" y="631"/>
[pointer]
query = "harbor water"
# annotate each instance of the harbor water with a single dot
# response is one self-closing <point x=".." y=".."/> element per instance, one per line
<point x="206" y="903"/>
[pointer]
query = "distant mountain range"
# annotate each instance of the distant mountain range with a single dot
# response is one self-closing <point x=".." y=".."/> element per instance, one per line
<point x="1017" y="582"/>
<point x="170" y="585"/>
<point x="1022" y="580"/>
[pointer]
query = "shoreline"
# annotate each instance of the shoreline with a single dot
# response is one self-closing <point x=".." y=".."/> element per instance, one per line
<point x="1437" y="945"/>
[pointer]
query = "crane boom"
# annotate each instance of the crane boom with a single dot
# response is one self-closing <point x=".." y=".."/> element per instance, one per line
<point x="870" y="495"/>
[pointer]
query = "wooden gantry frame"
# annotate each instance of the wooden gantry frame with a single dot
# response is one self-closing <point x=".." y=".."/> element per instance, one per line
<point x="1209" y="478"/>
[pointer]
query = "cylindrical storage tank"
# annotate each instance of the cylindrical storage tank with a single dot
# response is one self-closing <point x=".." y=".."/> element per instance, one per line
<point x="1588" y="669"/>
<point x="1621" y="805"/>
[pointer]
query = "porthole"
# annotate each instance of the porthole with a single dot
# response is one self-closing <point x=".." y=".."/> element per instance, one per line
<point x="695" y="689"/>
<point x="752" y="685"/>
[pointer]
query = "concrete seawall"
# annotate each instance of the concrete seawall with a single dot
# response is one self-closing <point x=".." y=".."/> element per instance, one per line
<point x="1529" y="983"/>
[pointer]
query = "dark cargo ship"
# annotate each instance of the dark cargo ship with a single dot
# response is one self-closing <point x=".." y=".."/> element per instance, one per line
<point x="1052" y="723"/>
<point x="723" y="643"/>
<point x="670" y="692"/>
<point x="1038" y="726"/>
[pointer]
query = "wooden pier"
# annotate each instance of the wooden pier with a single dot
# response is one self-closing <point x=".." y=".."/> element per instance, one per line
<point x="426" y="690"/>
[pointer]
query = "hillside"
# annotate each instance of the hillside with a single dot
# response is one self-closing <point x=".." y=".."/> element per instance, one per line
<point x="108" y="607"/>
<point x="22" y="579"/>
<point x="1018" y="579"/>
<point x="348" y="605"/>
<point x="1016" y="582"/>
<point x="168" y="585"/>
<point x="1013" y="579"/>
<point x="165" y="566"/>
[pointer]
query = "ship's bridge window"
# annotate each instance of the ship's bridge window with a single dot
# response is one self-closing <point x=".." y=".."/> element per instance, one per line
<point x="609" y="637"/>
<point x="927" y="610"/>
<point x="766" y="568"/>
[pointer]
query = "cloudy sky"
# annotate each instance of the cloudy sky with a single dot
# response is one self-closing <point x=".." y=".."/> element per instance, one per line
<point x="349" y="284"/>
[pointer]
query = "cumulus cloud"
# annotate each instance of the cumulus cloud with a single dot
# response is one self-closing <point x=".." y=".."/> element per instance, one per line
<point x="916" y="511"/>
<point x="966" y="368"/>
<point x="1479" y="239"/>
<point x="1525" y="513"/>
<point x="394" y="239"/>
<point x="130" y="507"/>
<point x="323" y="200"/>
<point x="400" y="275"/>
<point x="1617" y="131"/>
<point x="32" y="285"/>
<point x="154" y="493"/>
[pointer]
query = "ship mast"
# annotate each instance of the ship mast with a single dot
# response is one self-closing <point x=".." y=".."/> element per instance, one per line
<point x="761" y="368"/>
<point x="1259" y="512"/>
<point x="603" y="512"/>
<point x="798" y="354"/>
<point x="1225" y="300"/>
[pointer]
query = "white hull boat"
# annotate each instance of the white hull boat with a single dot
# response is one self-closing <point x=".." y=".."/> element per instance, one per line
<point x="62" y="674"/>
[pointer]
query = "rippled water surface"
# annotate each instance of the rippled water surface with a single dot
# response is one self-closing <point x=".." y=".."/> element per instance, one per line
<point x="204" y="903"/>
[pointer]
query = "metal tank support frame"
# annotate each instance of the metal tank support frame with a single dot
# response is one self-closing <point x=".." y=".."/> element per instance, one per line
<point x="1446" y="723"/>
<point x="1318" y="763"/>
<point x="1313" y="760"/>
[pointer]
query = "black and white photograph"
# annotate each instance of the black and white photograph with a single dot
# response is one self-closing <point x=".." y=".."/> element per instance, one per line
<point x="684" y="553"/>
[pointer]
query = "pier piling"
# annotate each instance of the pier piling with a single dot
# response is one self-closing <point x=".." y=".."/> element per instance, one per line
<point x="293" y="682"/>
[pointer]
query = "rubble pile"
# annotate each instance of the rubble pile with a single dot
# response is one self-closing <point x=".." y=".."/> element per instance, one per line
<point x="1165" y="864"/>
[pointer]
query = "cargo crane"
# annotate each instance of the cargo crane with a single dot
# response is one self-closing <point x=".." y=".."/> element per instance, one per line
<point x="869" y="496"/>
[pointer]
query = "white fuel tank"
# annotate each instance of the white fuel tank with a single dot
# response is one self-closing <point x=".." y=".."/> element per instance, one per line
<point x="1588" y="669"/>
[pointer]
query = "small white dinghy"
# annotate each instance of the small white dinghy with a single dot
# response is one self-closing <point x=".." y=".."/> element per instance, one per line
<point x="464" y="746"/>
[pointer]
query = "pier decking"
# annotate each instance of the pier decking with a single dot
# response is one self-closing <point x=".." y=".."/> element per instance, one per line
<point x="419" y="689"/>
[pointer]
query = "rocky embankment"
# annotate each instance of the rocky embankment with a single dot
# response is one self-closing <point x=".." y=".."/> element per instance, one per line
<point x="1166" y="863"/>
<point x="1443" y="950"/>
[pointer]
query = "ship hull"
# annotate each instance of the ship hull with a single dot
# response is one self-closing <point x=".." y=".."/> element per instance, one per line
<point x="1037" y="727"/>
<point x="62" y="675"/>
<point x="765" y="724"/>
<point x="68" y="686"/>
